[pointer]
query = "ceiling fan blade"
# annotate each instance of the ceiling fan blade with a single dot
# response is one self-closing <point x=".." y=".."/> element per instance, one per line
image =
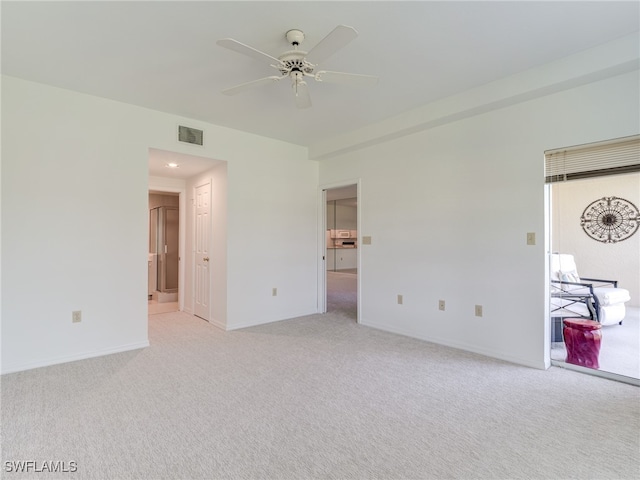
<point x="302" y="97"/>
<point x="346" y="78"/>
<point x="236" y="46"/>
<point x="337" y="38"/>
<point x="255" y="83"/>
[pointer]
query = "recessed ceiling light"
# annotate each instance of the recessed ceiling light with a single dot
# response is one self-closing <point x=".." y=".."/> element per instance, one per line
<point x="172" y="165"/>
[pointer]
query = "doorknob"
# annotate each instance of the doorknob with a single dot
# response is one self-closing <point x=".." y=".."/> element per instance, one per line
<point x="206" y="259"/>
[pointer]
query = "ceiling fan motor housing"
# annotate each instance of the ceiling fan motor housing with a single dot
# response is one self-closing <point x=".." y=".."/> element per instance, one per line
<point x="295" y="36"/>
<point x="293" y="61"/>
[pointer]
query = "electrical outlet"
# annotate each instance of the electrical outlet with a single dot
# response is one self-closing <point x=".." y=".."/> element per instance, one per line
<point x="400" y="299"/>
<point x="274" y="292"/>
<point x="441" y="305"/>
<point x="76" y="316"/>
<point x="531" y="238"/>
<point x="478" y="310"/>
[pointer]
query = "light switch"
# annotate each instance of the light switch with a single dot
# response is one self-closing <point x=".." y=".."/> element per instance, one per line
<point x="366" y="240"/>
<point x="531" y="238"/>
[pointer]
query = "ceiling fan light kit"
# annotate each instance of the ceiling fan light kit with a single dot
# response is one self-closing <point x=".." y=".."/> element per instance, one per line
<point x="297" y="64"/>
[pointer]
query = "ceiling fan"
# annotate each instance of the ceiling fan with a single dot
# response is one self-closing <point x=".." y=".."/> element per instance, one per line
<point x="298" y="64"/>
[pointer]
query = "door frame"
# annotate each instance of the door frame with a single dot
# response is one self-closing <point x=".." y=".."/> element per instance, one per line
<point x="548" y="248"/>
<point x="322" y="242"/>
<point x="182" y="235"/>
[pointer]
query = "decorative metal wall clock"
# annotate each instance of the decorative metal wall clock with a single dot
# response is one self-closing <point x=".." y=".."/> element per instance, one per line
<point x="610" y="219"/>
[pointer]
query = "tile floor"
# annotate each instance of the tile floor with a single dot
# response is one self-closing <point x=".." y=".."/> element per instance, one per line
<point x="620" y="347"/>
<point x="165" y="307"/>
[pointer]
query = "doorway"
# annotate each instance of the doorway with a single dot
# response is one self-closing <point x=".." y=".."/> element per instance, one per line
<point x="592" y="194"/>
<point x="179" y="174"/>
<point x="341" y="251"/>
<point x="619" y="262"/>
<point x="164" y="248"/>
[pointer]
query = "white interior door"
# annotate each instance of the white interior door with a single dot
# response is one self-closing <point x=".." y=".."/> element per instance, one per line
<point x="201" y="306"/>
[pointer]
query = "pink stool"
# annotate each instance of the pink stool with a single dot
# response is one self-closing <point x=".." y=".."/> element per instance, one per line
<point x="582" y="339"/>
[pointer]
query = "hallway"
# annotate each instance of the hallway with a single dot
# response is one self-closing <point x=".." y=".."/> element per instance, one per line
<point x="342" y="294"/>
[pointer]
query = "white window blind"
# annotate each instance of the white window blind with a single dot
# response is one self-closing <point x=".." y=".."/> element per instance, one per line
<point x="611" y="157"/>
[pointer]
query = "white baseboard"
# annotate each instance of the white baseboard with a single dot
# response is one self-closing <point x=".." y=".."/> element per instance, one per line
<point x="237" y="326"/>
<point x="72" y="358"/>
<point x="462" y="346"/>
<point x="217" y="323"/>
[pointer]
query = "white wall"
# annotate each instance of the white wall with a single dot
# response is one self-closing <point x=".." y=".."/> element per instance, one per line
<point x="462" y="197"/>
<point x="272" y="223"/>
<point x="162" y="200"/>
<point x="74" y="222"/>
<point x="614" y="261"/>
<point x="346" y="216"/>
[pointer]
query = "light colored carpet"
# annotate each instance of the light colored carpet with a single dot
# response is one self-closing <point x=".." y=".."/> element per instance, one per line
<point x="317" y="397"/>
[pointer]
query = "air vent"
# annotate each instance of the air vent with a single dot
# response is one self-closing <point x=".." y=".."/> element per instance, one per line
<point x="190" y="135"/>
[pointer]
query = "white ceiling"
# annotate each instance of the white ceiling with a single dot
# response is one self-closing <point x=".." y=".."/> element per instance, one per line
<point x="188" y="165"/>
<point x="163" y="55"/>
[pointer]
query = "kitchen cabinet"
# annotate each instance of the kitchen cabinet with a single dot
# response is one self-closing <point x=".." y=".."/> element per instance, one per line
<point x="346" y="258"/>
<point x="342" y="235"/>
<point x="341" y="258"/>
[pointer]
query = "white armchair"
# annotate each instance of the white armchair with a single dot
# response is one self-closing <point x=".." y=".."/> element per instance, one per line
<point x="575" y="296"/>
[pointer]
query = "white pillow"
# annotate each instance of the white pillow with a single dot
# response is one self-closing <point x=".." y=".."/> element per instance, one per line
<point x="570" y="277"/>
